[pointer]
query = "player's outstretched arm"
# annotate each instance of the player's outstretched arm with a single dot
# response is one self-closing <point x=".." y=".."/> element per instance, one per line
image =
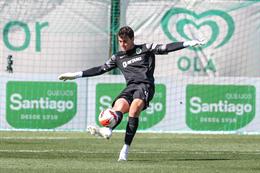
<point x="180" y="45"/>
<point x="70" y="76"/>
<point x="95" y="71"/>
<point x="170" y="47"/>
<point x="194" y="43"/>
<point x="86" y="73"/>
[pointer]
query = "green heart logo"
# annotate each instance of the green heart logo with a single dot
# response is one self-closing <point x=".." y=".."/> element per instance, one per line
<point x="212" y="24"/>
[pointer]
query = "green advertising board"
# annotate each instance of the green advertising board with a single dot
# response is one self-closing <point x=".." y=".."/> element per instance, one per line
<point x="219" y="107"/>
<point x="107" y="92"/>
<point x="40" y="105"/>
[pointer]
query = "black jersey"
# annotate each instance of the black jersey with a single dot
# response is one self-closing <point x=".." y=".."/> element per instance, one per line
<point x="137" y="65"/>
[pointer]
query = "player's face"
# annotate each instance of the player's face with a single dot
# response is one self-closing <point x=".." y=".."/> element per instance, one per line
<point x="126" y="43"/>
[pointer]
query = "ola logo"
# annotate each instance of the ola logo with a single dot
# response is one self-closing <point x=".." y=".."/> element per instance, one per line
<point x="220" y="107"/>
<point x="207" y="21"/>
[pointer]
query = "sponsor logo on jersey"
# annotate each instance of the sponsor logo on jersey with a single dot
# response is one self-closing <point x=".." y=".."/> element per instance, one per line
<point x="138" y="51"/>
<point x="131" y="61"/>
<point x="121" y="57"/>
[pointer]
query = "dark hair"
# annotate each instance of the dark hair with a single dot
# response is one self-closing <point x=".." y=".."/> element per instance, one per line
<point x="126" y="31"/>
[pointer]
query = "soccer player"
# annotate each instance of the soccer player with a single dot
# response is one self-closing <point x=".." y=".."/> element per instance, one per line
<point x="137" y="63"/>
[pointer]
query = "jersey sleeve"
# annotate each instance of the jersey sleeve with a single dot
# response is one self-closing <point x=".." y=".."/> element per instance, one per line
<point x="164" y="48"/>
<point x="107" y="66"/>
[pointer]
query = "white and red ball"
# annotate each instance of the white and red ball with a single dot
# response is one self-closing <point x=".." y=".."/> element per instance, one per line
<point x="108" y="118"/>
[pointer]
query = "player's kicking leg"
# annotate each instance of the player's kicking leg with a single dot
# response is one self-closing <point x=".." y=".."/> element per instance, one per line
<point x="104" y="132"/>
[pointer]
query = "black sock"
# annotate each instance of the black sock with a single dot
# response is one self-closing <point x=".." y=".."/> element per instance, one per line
<point x="131" y="128"/>
<point x="120" y="117"/>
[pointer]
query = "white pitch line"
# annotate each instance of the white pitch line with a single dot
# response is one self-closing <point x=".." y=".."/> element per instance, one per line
<point x="51" y="138"/>
<point x="48" y="151"/>
<point x="68" y="151"/>
<point x="103" y="152"/>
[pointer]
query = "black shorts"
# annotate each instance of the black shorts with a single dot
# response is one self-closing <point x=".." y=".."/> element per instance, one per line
<point x="133" y="91"/>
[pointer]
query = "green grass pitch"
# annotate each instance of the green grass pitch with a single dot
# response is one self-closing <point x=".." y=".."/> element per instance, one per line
<point x="150" y="153"/>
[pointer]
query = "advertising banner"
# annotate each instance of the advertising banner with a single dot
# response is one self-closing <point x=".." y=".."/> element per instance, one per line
<point x="219" y="107"/>
<point x="204" y="106"/>
<point x="54" y="36"/>
<point x="230" y="29"/>
<point x="42" y="102"/>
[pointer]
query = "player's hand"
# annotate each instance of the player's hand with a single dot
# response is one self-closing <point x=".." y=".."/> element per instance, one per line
<point x="194" y="43"/>
<point x="70" y="76"/>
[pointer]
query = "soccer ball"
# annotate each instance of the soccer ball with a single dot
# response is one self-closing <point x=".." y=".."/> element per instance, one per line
<point x="108" y="118"/>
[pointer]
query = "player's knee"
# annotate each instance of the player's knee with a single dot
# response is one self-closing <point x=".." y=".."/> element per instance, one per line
<point x="135" y="111"/>
<point x="121" y="105"/>
<point x="136" y="108"/>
